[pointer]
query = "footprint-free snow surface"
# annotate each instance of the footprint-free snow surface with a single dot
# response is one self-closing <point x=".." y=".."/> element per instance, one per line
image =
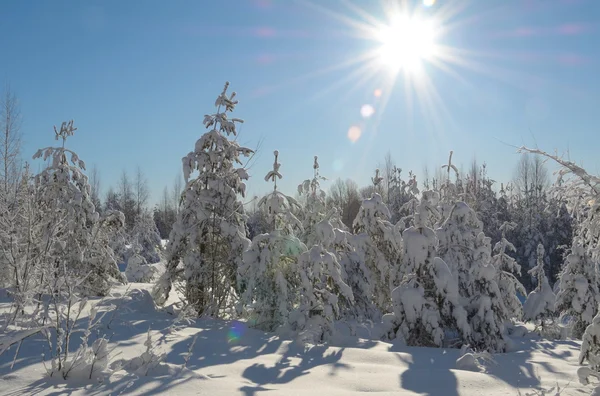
<point x="230" y="359"/>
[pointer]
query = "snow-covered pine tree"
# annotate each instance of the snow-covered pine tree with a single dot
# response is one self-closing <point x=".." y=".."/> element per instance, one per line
<point x="402" y="195"/>
<point x="426" y="305"/>
<point x="209" y="234"/>
<point x="485" y="308"/>
<point x="505" y="266"/>
<point x="540" y="303"/>
<point x="138" y="269"/>
<point x="22" y="262"/>
<point x="458" y="236"/>
<point x="424" y="210"/>
<point x="269" y="276"/>
<point x="73" y="227"/>
<point x="315" y="207"/>
<point x="321" y="286"/>
<point x="279" y="208"/>
<point x="590" y="351"/>
<point x="578" y="290"/>
<point x="449" y="191"/>
<point x="145" y="238"/>
<point x="379" y="243"/>
<point x="356" y="275"/>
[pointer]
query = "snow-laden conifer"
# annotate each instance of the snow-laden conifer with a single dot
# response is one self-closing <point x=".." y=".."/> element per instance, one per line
<point x="539" y="306"/>
<point x="145" y="237"/>
<point x="74" y="229"/>
<point x="458" y="236"/>
<point x="209" y="235"/>
<point x="379" y="243"/>
<point x="590" y="351"/>
<point x="321" y="287"/>
<point x="505" y="266"/>
<point x="269" y="276"/>
<point x="315" y="208"/>
<point x="356" y="275"/>
<point x="485" y="307"/>
<point x="426" y="305"/>
<point x="578" y="290"/>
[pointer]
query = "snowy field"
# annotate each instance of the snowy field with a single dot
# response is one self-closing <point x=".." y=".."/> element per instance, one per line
<point x="230" y="359"/>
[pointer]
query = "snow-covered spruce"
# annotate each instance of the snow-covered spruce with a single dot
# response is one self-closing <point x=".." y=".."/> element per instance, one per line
<point x="138" y="270"/>
<point x="578" y="290"/>
<point x="379" y="244"/>
<point x="467" y="252"/>
<point x="507" y="282"/>
<point x="426" y="304"/>
<point x="540" y="303"/>
<point x="590" y="351"/>
<point x="73" y="228"/>
<point x="449" y="191"/>
<point x="458" y="236"/>
<point x="145" y="237"/>
<point x="485" y="308"/>
<point x="321" y="286"/>
<point x="269" y="276"/>
<point x="314" y="205"/>
<point x="279" y="208"/>
<point x="356" y="275"/>
<point x="209" y="235"/>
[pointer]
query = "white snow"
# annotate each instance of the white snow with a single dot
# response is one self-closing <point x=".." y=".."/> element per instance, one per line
<point x="228" y="358"/>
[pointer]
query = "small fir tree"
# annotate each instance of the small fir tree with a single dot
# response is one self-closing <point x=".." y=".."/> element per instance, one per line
<point x="209" y="235"/>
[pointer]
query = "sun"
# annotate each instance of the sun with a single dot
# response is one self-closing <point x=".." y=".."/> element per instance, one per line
<point x="406" y="42"/>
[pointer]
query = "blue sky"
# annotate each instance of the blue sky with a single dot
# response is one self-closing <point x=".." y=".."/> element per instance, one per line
<point x="138" y="76"/>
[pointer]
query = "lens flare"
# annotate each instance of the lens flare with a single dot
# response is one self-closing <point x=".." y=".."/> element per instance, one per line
<point x="378" y="92"/>
<point x="354" y="133"/>
<point x="366" y="111"/>
<point x="428" y="3"/>
<point x="236" y="332"/>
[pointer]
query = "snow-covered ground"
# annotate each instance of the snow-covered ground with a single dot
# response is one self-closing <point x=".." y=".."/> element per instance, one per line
<point x="230" y="359"/>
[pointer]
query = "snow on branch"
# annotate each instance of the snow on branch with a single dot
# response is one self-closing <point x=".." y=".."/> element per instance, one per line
<point x="568" y="167"/>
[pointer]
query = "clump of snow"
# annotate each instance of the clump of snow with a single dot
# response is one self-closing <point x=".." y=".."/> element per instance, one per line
<point x="138" y="270"/>
<point x="539" y="306"/>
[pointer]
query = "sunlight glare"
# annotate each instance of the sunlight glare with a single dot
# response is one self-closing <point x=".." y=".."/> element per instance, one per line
<point x="405" y="43"/>
<point x="354" y="133"/>
<point x="366" y="111"/>
<point x="428" y="3"/>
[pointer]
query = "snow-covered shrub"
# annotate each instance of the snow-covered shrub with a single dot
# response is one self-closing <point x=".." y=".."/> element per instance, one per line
<point x="145" y="238"/>
<point x="138" y="270"/>
<point x="209" y="235"/>
<point x="485" y="308"/>
<point x="356" y="275"/>
<point x="75" y="233"/>
<point x="540" y="303"/>
<point x="269" y="278"/>
<point x="467" y="251"/>
<point x="590" y="352"/>
<point x="578" y="290"/>
<point x="279" y="208"/>
<point x="146" y="363"/>
<point x="22" y="262"/>
<point x="269" y="275"/>
<point x="314" y="208"/>
<point x="458" y="235"/>
<point x="58" y="317"/>
<point x="507" y="282"/>
<point x="471" y="360"/>
<point x="321" y="287"/>
<point x="426" y="304"/>
<point x="379" y="244"/>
